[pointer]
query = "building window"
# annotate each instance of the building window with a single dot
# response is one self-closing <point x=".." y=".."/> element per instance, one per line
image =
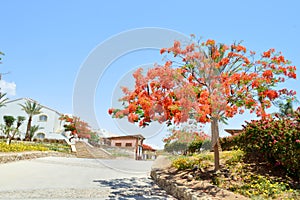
<point x="40" y="136"/>
<point x="43" y="118"/>
<point x="118" y="144"/>
<point x="128" y="144"/>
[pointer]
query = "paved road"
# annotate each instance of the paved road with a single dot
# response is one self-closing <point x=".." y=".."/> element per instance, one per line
<point x="77" y="178"/>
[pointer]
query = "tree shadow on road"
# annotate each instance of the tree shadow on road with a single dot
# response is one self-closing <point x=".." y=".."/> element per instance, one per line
<point x="134" y="188"/>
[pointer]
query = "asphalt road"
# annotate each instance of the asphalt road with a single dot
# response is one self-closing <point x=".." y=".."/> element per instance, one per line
<point x="77" y="178"/>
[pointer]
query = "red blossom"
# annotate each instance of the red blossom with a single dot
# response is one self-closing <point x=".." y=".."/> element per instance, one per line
<point x="210" y="42"/>
<point x="271" y="94"/>
<point x="110" y="111"/>
<point x="163" y="50"/>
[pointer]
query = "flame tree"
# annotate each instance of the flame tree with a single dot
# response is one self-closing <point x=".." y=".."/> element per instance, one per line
<point x="76" y="126"/>
<point x="207" y="82"/>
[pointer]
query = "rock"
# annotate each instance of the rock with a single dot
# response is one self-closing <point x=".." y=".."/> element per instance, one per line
<point x="234" y="178"/>
<point x="195" y="168"/>
<point x="190" y="177"/>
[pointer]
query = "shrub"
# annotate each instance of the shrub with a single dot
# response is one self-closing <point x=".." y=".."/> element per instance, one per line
<point x="276" y="140"/>
<point x="175" y="147"/>
<point x="195" y="145"/>
<point x="188" y="162"/>
<point x="46" y="140"/>
<point x="229" y="143"/>
<point x="232" y="157"/>
<point x="206" y="145"/>
<point x="182" y="163"/>
<point x="261" y="186"/>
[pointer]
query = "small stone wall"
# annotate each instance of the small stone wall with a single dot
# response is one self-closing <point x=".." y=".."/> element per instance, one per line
<point x="178" y="191"/>
<point x="200" y="191"/>
<point x="11" y="157"/>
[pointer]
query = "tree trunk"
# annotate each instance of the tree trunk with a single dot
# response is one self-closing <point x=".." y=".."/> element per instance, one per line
<point x="215" y="141"/>
<point x="263" y="112"/>
<point x="27" y="135"/>
<point x="8" y="141"/>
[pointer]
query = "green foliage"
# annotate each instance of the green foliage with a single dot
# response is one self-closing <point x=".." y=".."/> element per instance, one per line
<point x="229" y="143"/>
<point x="195" y="145"/>
<point x="34" y="129"/>
<point x="206" y="146"/>
<point x="3" y="99"/>
<point x="57" y="147"/>
<point x="176" y="147"/>
<point x="20" y="120"/>
<point x="260" y="186"/>
<point x="232" y="157"/>
<point x="9" y="120"/>
<point x="188" y="162"/>
<point x="31" y="108"/>
<point x="238" y="176"/>
<point x="9" y="130"/>
<point x="182" y="163"/>
<point x="276" y="141"/>
<point x="94" y="137"/>
<point x="286" y="109"/>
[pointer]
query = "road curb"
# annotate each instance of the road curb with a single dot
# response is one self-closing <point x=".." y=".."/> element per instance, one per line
<point x="16" y="156"/>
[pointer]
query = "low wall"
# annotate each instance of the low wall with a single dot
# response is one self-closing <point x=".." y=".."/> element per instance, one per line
<point x="11" y="157"/>
<point x="178" y="191"/>
<point x="200" y="191"/>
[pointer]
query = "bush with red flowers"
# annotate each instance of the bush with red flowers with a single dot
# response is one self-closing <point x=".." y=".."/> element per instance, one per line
<point x="277" y="141"/>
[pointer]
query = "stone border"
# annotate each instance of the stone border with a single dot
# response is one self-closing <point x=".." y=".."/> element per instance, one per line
<point x="16" y="156"/>
<point x="204" y="191"/>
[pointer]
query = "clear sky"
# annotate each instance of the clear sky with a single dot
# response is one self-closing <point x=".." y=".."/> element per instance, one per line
<point x="46" y="42"/>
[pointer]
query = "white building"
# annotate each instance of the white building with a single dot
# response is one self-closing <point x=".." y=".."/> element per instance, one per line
<point x="47" y="120"/>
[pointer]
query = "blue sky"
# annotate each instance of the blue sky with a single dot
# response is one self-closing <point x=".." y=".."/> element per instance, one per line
<point x="46" y="42"/>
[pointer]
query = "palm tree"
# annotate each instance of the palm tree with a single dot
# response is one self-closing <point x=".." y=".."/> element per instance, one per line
<point x="31" y="108"/>
<point x="3" y="99"/>
<point x="34" y="129"/>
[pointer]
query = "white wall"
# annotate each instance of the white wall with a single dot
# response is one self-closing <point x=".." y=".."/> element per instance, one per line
<point x="51" y="126"/>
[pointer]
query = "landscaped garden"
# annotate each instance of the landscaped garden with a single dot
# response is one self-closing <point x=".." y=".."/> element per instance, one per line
<point x="18" y="146"/>
<point x="249" y="177"/>
<point x="262" y="161"/>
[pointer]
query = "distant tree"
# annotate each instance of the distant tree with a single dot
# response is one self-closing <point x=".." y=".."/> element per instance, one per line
<point x="195" y="146"/>
<point x="9" y="130"/>
<point x="186" y="133"/>
<point x="286" y="109"/>
<point x="176" y="147"/>
<point x="9" y="120"/>
<point x="76" y="126"/>
<point x="31" y="108"/>
<point x="94" y="137"/>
